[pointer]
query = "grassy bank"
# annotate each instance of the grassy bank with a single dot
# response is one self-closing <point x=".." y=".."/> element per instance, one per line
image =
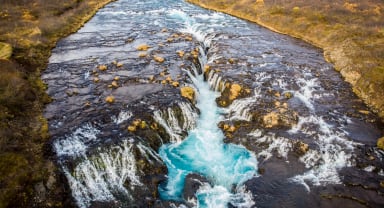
<point x="351" y="33"/>
<point x="28" y="32"/>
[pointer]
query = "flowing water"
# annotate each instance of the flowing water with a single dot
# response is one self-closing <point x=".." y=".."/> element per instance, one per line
<point x="290" y="134"/>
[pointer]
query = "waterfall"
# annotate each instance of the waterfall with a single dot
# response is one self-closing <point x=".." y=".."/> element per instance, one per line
<point x="75" y="144"/>
<point x="102" y="177"/>
<point x="226" y="166"/>
<point x="174" y="126"/>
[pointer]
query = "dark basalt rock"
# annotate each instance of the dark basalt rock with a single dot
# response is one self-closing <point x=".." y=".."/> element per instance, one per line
<point x="193" y="182"/>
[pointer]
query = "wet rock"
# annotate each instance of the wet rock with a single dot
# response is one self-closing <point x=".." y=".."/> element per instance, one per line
<point x="235" y="91"/>
<point x="142" y="47"/>
<point x="380" y="143"/>
<point x="180" y="53"/>
<point x="110" y="99"/>
<point x="142" y="55"/>
<point x="280" y="117"/>
<point x="188" y="92"/>
<point x="300" y="148"/>
<point x="270" y="120"/>
<point x="175" y="84"/>
<point x="158" y="59"/>
<point x="288" y="95"/>
<point x="232" y="61"/>
<point x="115" y="84"/>
<point x="103" y="67"/>
<point x="230" y="93"/>
<point x="192" y="183"/>
<point x="207" y="68"/>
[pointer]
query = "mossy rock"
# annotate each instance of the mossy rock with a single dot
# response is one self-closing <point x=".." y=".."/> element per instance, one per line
<point x="5" y="50"/>
<point x="380" y="143"/>
<point x="188" y="92"/>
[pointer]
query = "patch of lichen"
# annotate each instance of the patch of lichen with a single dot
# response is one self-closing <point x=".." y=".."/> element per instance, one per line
<point x="30" y="30"/>
<point x="350" y="32"/>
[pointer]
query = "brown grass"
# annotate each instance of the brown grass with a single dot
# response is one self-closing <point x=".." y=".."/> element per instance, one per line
<point x="350" y="32"/>
<point x="32" y="28"/>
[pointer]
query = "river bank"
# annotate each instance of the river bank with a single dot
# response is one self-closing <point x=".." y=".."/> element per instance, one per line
<point x="350" y="33"/>
<point x="28" y="32"/>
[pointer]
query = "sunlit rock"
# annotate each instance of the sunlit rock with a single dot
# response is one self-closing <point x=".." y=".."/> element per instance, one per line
<point x="301" y="148"/>
<point x="143" y="125"/>
<point x="151" y="78"/>
<point x="119" y="64"/>
<point x="188" y="92"/>
<point x="115" y="84"/>
<point x="96" y="79"/>
<point x="5" y="50"/>
<point x="169" y="40"/>
<point x="188" y="38"/>
<point x="142" y="47"/>
<point x="288" y="95"/>
<point x="380" y="143"/>
<point x="142" y="55"/>
<point x="234" y="91"/>
<point x="232" y="61"/>
<point x="103" y="67"/>
<point x="116" y="78"/>
<point x="271" y="119"/>
<point x="158" y="59"/>
<point x="180" y="53"/>
<point x="110" y="99"/>
<point x="131" y="128"/>
<point x="175" y="84"/>
<point x="281" y="117"/>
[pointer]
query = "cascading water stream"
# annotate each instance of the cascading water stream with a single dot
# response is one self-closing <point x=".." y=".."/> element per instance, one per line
<point x="226" y="166"/>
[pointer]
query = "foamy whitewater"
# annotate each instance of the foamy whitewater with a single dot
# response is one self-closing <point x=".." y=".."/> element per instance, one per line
<point x="203" y="152"/>
<point x="226" y="166"/>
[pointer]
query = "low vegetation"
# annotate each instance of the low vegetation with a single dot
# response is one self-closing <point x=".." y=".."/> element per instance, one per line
<point x="351" y="33"/>
<point x="29" y="29"/>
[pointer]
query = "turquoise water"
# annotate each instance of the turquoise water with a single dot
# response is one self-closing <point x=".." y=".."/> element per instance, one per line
<point x="226" y="166"/>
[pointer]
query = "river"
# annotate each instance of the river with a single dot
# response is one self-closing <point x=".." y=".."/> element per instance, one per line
<point x="269" y="123"/>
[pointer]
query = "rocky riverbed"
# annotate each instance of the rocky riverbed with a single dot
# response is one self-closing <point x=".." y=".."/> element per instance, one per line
<point x="123" y="86"/>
